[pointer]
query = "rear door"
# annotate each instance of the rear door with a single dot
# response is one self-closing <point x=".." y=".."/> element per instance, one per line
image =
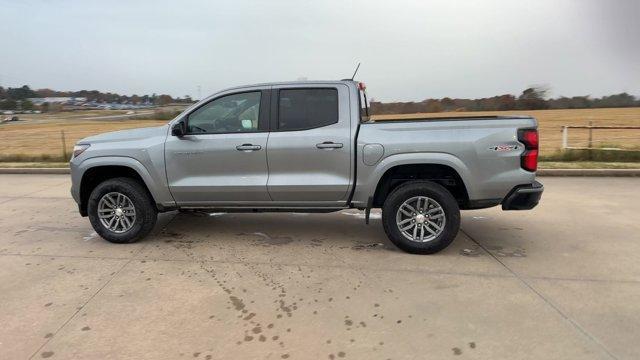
<point x="309" y="149"/>
<point x="222" y="159"/>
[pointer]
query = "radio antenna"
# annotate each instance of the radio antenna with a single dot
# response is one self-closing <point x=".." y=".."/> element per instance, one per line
<point x="355" y="72"/>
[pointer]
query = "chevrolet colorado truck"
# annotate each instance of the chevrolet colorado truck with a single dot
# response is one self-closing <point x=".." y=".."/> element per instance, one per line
<point x="307" y="147"/>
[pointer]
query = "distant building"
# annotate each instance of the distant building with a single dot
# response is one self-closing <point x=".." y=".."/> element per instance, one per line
<point x="59" y="100"/>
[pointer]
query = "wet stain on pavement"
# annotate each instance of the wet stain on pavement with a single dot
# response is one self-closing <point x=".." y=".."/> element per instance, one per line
<point x="501" y="251"/>
<point x="496" y="250"/>
<point x="181" y="244"/>
<point x="237" y="303"/>
<point x="316" y="242"/>
<point x="265" y="239"/>
<point x="171" y="234"/>
<point x="473" y="251"/>
<point x="517" y="252"/>
<point x="368" y="246"/>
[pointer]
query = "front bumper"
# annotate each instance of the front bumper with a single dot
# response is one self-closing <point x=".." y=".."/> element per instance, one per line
<point x="523" y="197"/>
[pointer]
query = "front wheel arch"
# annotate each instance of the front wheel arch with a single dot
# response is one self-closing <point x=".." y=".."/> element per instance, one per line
<point x="94" y="176"/>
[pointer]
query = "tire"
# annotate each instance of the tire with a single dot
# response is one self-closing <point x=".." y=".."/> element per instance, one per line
<point x="435" y="238"/>
<point x="133" y="228"/>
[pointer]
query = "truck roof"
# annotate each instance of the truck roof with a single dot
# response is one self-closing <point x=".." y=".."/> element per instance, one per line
<point x="297" y="82"/>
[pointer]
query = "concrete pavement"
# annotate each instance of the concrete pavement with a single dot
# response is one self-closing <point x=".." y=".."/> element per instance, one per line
<point x="559" y="282"/>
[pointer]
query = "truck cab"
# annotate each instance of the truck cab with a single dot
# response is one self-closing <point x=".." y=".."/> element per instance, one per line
<point x="284" y="145"/>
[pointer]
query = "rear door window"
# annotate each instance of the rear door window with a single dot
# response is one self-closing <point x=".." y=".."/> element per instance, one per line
<point x="301" y="109"/>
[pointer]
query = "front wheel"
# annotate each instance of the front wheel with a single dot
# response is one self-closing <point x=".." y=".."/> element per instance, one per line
<point x="421" y="217"/>
<point x="121" y="210"/>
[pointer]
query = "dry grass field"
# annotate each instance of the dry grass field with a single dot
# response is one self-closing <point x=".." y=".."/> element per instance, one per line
<point x="550" y="123"/>
<point x="23" y="140"/>
<point x="38" y="136"/>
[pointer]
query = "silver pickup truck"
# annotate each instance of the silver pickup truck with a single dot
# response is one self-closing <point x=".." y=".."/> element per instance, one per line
<point x="307" y="147"/>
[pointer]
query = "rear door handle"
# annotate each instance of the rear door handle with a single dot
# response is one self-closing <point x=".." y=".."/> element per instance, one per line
<point x="329" y="145"/>
<point x="248" y="147"/>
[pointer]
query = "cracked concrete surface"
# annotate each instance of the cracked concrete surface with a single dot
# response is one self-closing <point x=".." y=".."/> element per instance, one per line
<point x="559" y="282"/>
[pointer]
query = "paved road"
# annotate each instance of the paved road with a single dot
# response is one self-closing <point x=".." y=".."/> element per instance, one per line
<point x="559" y="282"/>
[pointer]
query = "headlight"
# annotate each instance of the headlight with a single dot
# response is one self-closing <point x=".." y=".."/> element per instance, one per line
<point x="79" y="149"/>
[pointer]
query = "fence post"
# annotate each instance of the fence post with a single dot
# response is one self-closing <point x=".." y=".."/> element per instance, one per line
<point x="565" y="137"/>
<point x="590" y="151"/>
<point x="64" y="146"/>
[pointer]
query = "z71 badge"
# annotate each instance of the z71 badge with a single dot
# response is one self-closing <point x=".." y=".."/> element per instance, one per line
<point x="504" y="148"/>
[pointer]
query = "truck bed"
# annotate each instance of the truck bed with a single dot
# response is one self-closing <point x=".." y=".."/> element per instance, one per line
<point x="465" y="144"/>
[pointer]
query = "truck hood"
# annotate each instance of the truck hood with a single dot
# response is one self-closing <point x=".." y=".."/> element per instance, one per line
<point x="126" y="135"/>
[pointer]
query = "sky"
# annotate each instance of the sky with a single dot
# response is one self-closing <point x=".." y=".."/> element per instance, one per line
<point x="409" y="50"/>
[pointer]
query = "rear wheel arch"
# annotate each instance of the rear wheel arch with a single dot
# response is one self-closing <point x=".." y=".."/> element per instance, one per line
<point x="96" y="175"/>
<point x="441" y="174"/>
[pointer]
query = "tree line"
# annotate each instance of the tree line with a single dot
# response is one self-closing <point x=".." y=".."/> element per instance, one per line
<point x="534" y="98"/>
<point x="10" y="98"/>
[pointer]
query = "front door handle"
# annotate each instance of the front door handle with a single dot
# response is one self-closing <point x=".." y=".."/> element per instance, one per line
<point x="329" y="145"/>
<point x="248" y="147"/>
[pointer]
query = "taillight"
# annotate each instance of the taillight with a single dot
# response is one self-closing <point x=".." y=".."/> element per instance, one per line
<point x="529" y="158"/>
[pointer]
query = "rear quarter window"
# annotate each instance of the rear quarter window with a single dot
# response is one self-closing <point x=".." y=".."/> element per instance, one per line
<point x="300" y="109"/>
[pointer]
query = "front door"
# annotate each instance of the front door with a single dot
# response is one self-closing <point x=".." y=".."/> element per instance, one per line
<point x="222" y="159"/>
<point x="309" y="150"/>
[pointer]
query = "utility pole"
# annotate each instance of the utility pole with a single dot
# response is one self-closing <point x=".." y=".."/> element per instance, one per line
<point x="199" y="93"/>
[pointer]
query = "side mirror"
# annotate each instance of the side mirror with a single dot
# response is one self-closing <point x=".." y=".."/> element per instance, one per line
<point x="178" y="129"/>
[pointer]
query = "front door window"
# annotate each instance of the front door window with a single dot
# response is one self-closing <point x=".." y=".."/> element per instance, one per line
<point x="235" y="113"/>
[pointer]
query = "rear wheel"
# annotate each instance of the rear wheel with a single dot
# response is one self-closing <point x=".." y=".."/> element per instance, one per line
<point x="121" y="210"/>
<point x="421" y="217"/>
